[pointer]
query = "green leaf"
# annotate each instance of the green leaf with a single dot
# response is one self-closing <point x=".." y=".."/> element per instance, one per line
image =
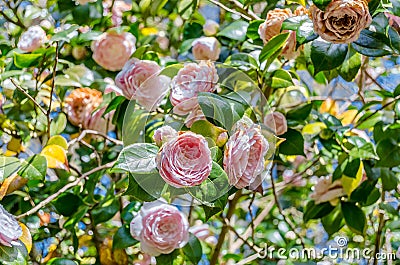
<point x="394" y="38"/>
<point x="213" y="187"/>
<point x="8" y="166"/>
<point x="123" y="239"/>
<point x="216" y="108"/>
<point x="114" y="103"/>
<point x="315" y="211"/>
<point x="235" y="31"/>
<point x="193" y="250"/>
<point x="218" y="206"/>
<point x="133" y="124"/>
<point x="300" y="113"/>
<point x="58" y="124"/>
<point x="105" y="211"/>
<point x="365" y="151"/>
<point x="389" y="179"/>
<point x="333" y="221"/>
<point x="388" y="208"/>
<point x="294" y="143"/>
<point x="281" y="79"/>
<point x="252" y="30"/>
<point x="273" y="46"/>
<point x="242" y="60"/>
<point x="327" y="56"/>
<point x="25" y="60"/>
<point x="351" y="65"/>
<point x="34" y="167"/>
<point x="354" y="217"/>
<point x="351" y="168"/>
<point x="66" y="35"/>
<point x="303" y="26"/>
<point x="61" y="261"/>
<point x="15" y="255"/>
<point x="138" y="193"/>
<point x="388" y="151"/>
<point x="138" y="158"/>
<point x="321" y="4"/>
<point x="127" y="212"/>
<point x="67" y="204"/>
<point x="76" y="217"/>
<point x="374" y="44"/>
<point x="167" y="259"/>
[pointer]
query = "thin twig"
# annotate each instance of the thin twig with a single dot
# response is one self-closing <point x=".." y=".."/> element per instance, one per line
<point x="230" y="9"/>
<point x="18" y="22"/>
<point x="86" y="132"/>
<point x="241" y="8"/>
<point x="379" y="232"/>
<point x="287" y="220"/>
<point x="28" y="96"/>
<point x="251" y="213"/>
<point x="224" y="230"/>
<point x="253" y="246"/>
<point x="63" y="189"/>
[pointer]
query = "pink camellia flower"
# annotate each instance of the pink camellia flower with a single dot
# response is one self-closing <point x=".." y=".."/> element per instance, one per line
<point x="10" y="230"/>
<point x="139" y="80"/>
<point x="112" y="49"/>
<point x="190" y="80"/>
<point x="394" y="21"/>
<point x="81" y="106"/>
<point x="164" y="134"/>
<point x="206" y="48"/>
<point x="32" y="39"/>
<point x="185" y="161"/>
<point x="160" y="228"/>
<point x="210" y="28"/>
<point x="276" y="121"/>
<point x="244" y="153"/>
<point x="325" y="190"/>
<point x="202" y="232"/>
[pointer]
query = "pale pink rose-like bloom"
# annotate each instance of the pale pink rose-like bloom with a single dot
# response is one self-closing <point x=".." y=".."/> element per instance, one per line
<point x="195" y="115"/>
<point x="164" y="134"/>
<point x="80" y="106"/>
<point x="119" y="8"/>
<point x="244" y="153"/>
<point x="342" y="21"/>
<point x="161" y="228"/>
<point x="10" y="230"/>
<point x="206" y="48"/>
<point x="192" y="79"/>
<point x="394" y="21"/>
<point x="185" y="161"/>
<point x="325" y="190"/>
<point x="210" y="28"/>
<point x="203" y="233"/>
<point x="276" y="121"/>
<point x="32" y="39"/>
<point x="139" y="80"/>
<point x="112" y="49"/>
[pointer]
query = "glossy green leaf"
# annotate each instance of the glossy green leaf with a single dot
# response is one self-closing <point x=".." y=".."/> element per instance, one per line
<point x="316" y="211"/>
<point x="34" y="167"/>
<point x="354" y="217"/>
<point x="294" y="143"/>
<point x="193" y="250"/>
<point x="273" y="46"/>
<point x="235" y="31"/>
<point x="327" y="56"/>
<point x="25" y="60"/>
<point x="138" y="158"/>
<point x="8" y="166"/>
<point x="123" y="239"/>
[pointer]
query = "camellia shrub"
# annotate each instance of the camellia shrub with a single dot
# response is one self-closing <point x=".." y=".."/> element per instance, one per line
<point x="199" y="132"/>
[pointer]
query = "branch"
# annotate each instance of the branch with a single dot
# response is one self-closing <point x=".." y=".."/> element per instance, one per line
<point x="381" y="225"/>
<point x="230" y="10"/>
<point x="86" y="132"/>
<point x="63" y="189"/>
<point x="247" y="12"/>
<point x="18" y="22"/>
<point x="28" y="96"/>
<point x="225" y="228"/>
<point x="287" y="220"/>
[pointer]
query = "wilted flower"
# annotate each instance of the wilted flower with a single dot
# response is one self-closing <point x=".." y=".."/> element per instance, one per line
<point x="244" y="153"/>
<point x="190" y="80"/>
<point x="394" y="21"/>
<point x="206" y="48"/>
<point x="325" y="190"/>
<point x="160" y="228"/>
<point x="272" y="27"/>
<point x="210" y="28"/>
<point x="342" y="20"/>
<point x="32" y="39"/>
<point x="164" y="134"/>
<point x="10" y="230"/>
<point x="139" y="80"/>
<point x="185" y="161"/>
<point x="112" y="49"/>
<point x="276" y="121"/>
<point x="81" y="106"/>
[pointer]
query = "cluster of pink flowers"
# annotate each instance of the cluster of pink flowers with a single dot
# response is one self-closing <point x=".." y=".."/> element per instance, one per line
<point x="10" y="230"/>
